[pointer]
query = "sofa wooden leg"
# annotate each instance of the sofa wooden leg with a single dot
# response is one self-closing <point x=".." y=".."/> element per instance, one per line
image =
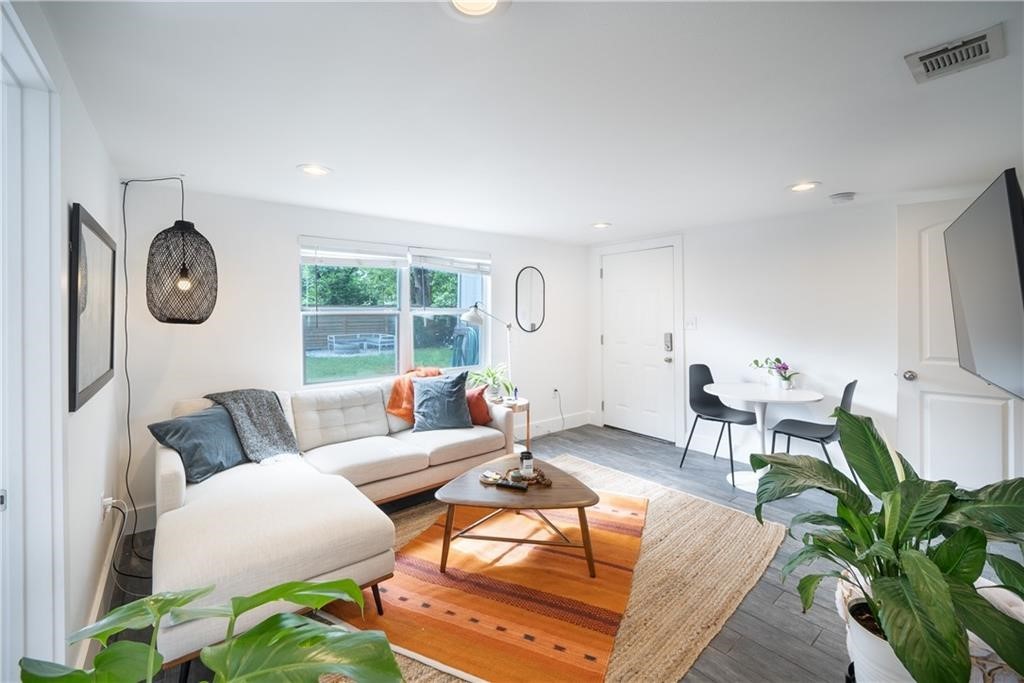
<point x="376" y="599"/>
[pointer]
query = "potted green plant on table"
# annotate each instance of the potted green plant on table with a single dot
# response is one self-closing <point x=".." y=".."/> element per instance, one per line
<point x="283" y="647"/>
<point x="778" y="367"/>
<point x="909" y="569"/>
<point x="495" y="378"/>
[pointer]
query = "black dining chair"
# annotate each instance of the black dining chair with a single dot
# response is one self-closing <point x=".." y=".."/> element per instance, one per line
<point x="709" y="407"/>
<point x="815" y="431"/>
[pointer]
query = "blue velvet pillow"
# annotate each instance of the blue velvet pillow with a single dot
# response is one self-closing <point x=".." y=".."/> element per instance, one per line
<point x="207" y="442"/>
<point x="440" y="403"/>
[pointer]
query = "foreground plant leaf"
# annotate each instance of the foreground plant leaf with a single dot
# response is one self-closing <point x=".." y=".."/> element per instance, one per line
<point x="916" y="613"/>
<point x="962" y="555"/>
<point x="126" y="660"/>
<point x="137" y="615"/>
<point x="291" y="648"/>
<point x="868" y="455"/>
<point x="792" y="474"/>
<point x="38" y="671"/>
<point x="311" y="594"/>
<point x="1010" y="573"/>
<point x="1002" y="633"/>
<point x="996" y="509"/>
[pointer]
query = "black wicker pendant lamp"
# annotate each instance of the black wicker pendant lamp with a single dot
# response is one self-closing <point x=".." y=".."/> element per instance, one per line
<point x="181" y="273"/>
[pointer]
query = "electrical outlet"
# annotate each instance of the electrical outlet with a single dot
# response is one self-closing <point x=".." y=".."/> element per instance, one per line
<point x="107" y="503"/>
<point x="554" y="393"/>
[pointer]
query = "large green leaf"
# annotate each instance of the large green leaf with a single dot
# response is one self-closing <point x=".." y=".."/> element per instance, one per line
<point x="288" y="648"/>
<point x="126" y="660"/>
<point x="891" y="504"/>
<point x="806" y="555"/>
<point x="867" y="453"/>
<point x="921" y="503"/>
<point x="962" y="555"/>
<point x="1010" y="572"/>
<point x="139" y="614"/>
<point x="879" y="549"/>
<point x="808" y="585"/>
<point x="818" y="519"/>
<point x="1002" y="633"/>
<point x="916" y="613"/>
<point x="793" y="474"/>
<point x="996" y="509"/>
<point x="38" y="671"/>
<point x="311" y="594"/>
<point x="859" y="526"/>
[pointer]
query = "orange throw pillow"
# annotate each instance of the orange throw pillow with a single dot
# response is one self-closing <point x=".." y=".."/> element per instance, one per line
<point x="479" y="411"/>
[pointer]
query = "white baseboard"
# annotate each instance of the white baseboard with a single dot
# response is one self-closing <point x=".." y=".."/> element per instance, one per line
<point x="554" y="424"/>
<point x="81" y="653"/>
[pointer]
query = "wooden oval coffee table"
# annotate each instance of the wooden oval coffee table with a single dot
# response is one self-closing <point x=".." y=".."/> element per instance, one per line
<point x="566" y="491"/>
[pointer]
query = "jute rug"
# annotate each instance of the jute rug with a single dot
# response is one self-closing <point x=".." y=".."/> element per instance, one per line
<point x="697" y="561"/>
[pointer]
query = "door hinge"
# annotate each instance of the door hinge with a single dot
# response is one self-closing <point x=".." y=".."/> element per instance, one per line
<point x="600" y="273"/>
<point x="602" y="405"/>
<point x="602" y="340"/>
<point x="3" y="499"/>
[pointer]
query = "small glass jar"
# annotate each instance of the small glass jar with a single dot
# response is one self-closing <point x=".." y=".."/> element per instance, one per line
<point x="526" y="463"/>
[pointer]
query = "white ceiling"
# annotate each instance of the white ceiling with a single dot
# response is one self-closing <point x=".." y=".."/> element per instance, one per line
<point x="547" y="117"/>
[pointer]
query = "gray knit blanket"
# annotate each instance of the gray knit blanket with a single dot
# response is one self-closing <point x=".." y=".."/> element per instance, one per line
<point x="260" y="422"/>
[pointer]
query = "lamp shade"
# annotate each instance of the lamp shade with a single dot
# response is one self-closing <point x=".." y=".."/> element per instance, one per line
<point x="181" y="276"/>
<point x="473" y="316"/>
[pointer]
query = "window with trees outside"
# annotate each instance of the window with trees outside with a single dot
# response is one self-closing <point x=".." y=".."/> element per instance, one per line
<point x="378" y="310"/>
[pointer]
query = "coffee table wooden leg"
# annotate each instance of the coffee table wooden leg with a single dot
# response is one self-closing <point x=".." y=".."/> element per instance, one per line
<point x="448" y="523"/>
<point x="585" y="530"/>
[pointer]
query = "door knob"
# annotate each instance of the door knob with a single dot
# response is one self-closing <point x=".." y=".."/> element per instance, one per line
<point x="668" y="359"/>
<point x="910" y="375"/>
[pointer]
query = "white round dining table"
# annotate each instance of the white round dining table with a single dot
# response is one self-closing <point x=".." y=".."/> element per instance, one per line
<point x="759" y="396"/>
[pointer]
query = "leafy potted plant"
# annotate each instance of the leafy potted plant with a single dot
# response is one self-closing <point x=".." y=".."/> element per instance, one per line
<point x="911" y="565"/>
<point x="495" y="378"/>
<point x="283" y="647"/>
<point x="779" y="368"/>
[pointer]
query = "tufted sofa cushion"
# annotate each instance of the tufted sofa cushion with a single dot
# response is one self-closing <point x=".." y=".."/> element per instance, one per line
<point x="324" y="416"/>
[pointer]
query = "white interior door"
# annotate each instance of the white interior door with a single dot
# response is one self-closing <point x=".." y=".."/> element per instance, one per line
<point x="638" y="351"/>
<point x="952" y="425"/>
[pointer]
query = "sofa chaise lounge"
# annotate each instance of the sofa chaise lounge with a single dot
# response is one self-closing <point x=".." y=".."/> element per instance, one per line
<point x="306" y="518"/>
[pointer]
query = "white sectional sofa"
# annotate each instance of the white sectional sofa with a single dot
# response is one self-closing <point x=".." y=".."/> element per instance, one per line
<point x="308" y="518"/>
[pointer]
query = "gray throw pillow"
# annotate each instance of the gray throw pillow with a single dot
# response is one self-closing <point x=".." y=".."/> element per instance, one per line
<point x="206" y="441"/>
<point x="440" y="403"/>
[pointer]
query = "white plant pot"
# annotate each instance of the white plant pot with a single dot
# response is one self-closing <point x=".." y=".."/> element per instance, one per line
<point x="873" y="659"/>
<point x="786" y="384"/>
<point x="492" y="393"/>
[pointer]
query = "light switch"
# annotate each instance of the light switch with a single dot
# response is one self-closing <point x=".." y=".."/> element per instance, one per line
<point x="691" y="323"/>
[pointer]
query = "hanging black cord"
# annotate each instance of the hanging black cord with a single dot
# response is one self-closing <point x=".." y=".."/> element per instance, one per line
<point x="127" y="376"/>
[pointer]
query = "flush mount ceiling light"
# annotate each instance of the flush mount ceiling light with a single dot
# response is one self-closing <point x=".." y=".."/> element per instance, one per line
<point x="474" y="8"/>
<point x="603" y="225"/>
<point x="805" y="186"/>
<point x="314" y="169"/>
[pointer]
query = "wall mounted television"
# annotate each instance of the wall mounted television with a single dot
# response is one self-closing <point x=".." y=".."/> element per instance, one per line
<point x="985" y="255"/>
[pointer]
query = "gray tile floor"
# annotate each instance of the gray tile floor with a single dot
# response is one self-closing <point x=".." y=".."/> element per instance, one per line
<point x="767" y="639"/>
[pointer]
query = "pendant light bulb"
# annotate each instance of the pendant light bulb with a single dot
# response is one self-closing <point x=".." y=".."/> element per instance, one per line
<point x="184" y="282"/>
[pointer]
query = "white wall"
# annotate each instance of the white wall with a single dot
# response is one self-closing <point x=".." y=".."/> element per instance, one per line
<point x="817" y="289"/>
<point x="253" y="338"/>
<point x="92" y="434"/>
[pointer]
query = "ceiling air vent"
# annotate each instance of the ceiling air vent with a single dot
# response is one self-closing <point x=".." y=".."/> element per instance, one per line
<point x="963" y="53"/>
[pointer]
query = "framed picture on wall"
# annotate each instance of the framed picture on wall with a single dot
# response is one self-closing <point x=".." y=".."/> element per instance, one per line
<point x="91" y="277"/>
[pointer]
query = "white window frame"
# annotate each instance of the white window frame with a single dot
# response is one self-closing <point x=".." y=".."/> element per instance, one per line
<point x="404" y="258"/>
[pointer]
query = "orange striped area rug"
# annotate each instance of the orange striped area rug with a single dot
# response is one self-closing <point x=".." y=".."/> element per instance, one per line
<point x="513" y="612"/>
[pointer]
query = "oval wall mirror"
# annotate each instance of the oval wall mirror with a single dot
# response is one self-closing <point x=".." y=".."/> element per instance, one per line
<point x="530" y="299"/>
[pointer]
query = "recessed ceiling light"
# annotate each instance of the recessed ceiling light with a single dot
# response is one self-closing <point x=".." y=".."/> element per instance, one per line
<point x="475" y="8"/>
<point x="314" y="169"/>
<point x="805" y="186"/>
<point x="602" y="225"/>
